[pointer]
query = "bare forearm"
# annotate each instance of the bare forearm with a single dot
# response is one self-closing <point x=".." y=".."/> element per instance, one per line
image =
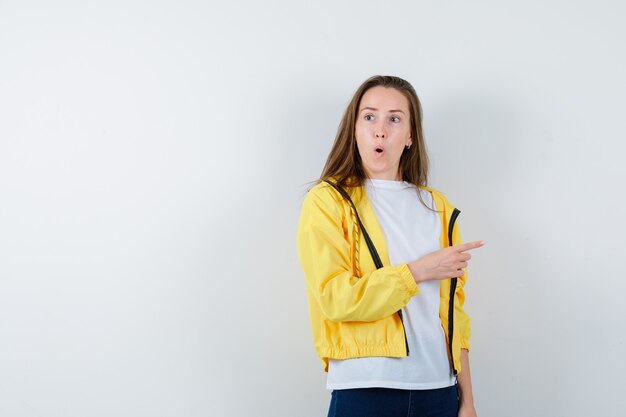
<point x="445" y="263"/>
<point x="466" y="398"/>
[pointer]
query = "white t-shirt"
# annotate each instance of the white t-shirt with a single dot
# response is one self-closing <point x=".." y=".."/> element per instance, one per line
<point x="411" y="231"/>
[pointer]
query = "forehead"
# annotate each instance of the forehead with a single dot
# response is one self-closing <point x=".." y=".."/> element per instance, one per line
<point x="383" y="99"/>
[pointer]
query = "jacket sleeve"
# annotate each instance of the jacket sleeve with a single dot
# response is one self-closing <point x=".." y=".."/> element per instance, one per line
<point x="324" y="252"/>
<point x="461" y="317"/>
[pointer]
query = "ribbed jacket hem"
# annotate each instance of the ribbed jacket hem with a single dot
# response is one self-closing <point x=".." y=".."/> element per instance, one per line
<point x="349" y="352"/>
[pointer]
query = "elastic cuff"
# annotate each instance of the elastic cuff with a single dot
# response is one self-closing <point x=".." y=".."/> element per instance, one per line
<point x="465" y="344"/>
<point x="408" y="279"/>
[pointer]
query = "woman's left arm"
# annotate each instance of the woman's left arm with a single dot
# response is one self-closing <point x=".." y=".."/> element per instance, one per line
<point x="466" y="399"/>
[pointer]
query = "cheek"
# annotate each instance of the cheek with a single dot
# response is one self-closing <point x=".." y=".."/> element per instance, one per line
<point x="359" y="130"/>
<point x="361" y="147"/>
<point x="360" y="137"/>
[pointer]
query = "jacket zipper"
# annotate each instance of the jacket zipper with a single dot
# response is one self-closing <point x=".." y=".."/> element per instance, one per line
<point x="455" y="214"/>
<point x="406" y="341"/>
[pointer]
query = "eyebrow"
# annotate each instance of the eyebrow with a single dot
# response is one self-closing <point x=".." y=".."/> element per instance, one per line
<point x="372" y="108"/>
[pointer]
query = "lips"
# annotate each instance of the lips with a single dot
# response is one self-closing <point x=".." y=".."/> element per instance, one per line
<point x="379" y="150"/>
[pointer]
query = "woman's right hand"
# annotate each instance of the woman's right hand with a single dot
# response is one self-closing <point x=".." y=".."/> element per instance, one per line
<point x="444" y="263"/>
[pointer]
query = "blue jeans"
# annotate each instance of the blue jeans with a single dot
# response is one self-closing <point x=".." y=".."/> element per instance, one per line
<point x="388" y="402"/>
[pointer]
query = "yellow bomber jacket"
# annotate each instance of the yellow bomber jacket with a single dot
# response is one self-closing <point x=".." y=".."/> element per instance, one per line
<point x="353" y="306"/>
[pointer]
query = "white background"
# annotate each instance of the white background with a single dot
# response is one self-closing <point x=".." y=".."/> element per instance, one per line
<point x="154" y="155"/>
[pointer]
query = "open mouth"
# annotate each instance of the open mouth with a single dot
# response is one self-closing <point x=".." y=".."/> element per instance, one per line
<point x="379" y="150"/>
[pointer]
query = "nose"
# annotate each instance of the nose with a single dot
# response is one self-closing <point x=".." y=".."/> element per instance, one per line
<point x="380" y="132"/>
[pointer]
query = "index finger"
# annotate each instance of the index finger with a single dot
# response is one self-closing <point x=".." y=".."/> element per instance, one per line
<point x="470" y="245"/>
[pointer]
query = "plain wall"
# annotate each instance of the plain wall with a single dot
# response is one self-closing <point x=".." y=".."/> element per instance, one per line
<point x="154" y="156"/>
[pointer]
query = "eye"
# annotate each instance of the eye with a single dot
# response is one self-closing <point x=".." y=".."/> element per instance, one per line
<point x="369" y="117"/>
<point x="397" y="119"/>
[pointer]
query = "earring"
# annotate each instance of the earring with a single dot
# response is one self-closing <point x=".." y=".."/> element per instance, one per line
<point x="408" y="146"/>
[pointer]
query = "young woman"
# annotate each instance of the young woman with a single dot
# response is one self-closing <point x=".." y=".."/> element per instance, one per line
<point x="385" y="267"/>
